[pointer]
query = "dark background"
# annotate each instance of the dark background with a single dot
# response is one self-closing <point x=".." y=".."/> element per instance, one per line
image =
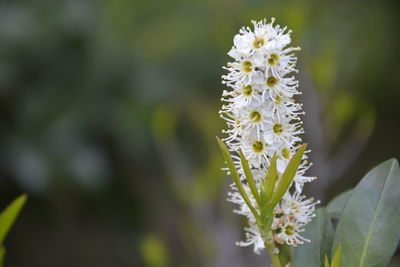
<point x="109" y="112"/>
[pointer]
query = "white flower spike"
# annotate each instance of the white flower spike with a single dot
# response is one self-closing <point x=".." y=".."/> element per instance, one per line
<point x="263" y="119"/>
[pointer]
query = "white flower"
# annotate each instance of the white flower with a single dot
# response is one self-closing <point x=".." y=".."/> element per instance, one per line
<point x="281" y="86"/>
<point x="263" y="119"/>
<point x="243" y="95"/>
<point x="296" y="205"/>
<point x="243" y="70"/>
<point x="289" y="232"/>
<point x="255" y="117"/>
<point x="280" y="62"/>
<point x="285" y="107"/>
<point x="283" y="131"/>
<point x="253" y="237"/>
<point x="255" y="150"/>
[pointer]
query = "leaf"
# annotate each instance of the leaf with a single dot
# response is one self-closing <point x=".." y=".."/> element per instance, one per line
<point x="326" y="263"/>
<point x="320" y="232"/>
<point x="368" y="229"/>
<point x="249" y="177"/>
<point x="336" y="205"/>
<point x="9" y="215"/>
<point x="270" y="180"/>
<point x="336" y="258"/>
<point x="288" y="175"/>
<point x="235" y="176"/>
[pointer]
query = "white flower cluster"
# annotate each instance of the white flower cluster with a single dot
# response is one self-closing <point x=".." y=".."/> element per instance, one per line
<point x="263" y="119"/>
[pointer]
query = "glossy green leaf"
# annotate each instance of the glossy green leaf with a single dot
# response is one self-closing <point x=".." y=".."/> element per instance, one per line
<point x="270" y="179"/>
<point x="320" y="232"/>
<point x="235" y="176"/>
<point x="288" y="175"/>
<point x="336" y="257"/>
<point x="9" y="215"/>
<point x="249" y="177"/>
<point x="368" y="229"/>
<point x="336" y="205"/>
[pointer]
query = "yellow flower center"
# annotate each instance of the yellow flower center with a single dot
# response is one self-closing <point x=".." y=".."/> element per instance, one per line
<point x="258" y="42"/>
<point x="286" y="153"/>
<point x="255" y="116"/>
<point x="258" y="146"/>
<point x="271" y="81"/>
<point x="290" y="230"/>
<point x="278" y="128"/>
<point x="278" y="100"/>
<point x="295" y="207"/>
<point x="273" y="59"/>
<point x="247" y="90"/>
<point x="247" y="66"/>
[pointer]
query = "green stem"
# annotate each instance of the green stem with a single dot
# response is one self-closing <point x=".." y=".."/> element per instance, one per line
<point x="274" y="257"/>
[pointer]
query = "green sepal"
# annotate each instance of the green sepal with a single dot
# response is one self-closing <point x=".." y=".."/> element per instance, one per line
<point x="236" y="178"/>
<point x="249" y="177"/>
<point x="265" y="213"/>
<point x="288" y="175"/>
<point x="270" y="179"/>
<point x="266" y="192"/>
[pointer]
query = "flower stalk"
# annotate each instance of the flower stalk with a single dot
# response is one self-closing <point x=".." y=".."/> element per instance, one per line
<point x="275" y="260"/>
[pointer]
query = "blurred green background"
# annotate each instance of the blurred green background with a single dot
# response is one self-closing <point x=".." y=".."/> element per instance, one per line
<point x="109" y="112"/>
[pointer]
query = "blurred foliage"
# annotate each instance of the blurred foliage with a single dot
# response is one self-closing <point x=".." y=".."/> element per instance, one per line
<point x="154" y="252"/>
<point x="108" y="111"/>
